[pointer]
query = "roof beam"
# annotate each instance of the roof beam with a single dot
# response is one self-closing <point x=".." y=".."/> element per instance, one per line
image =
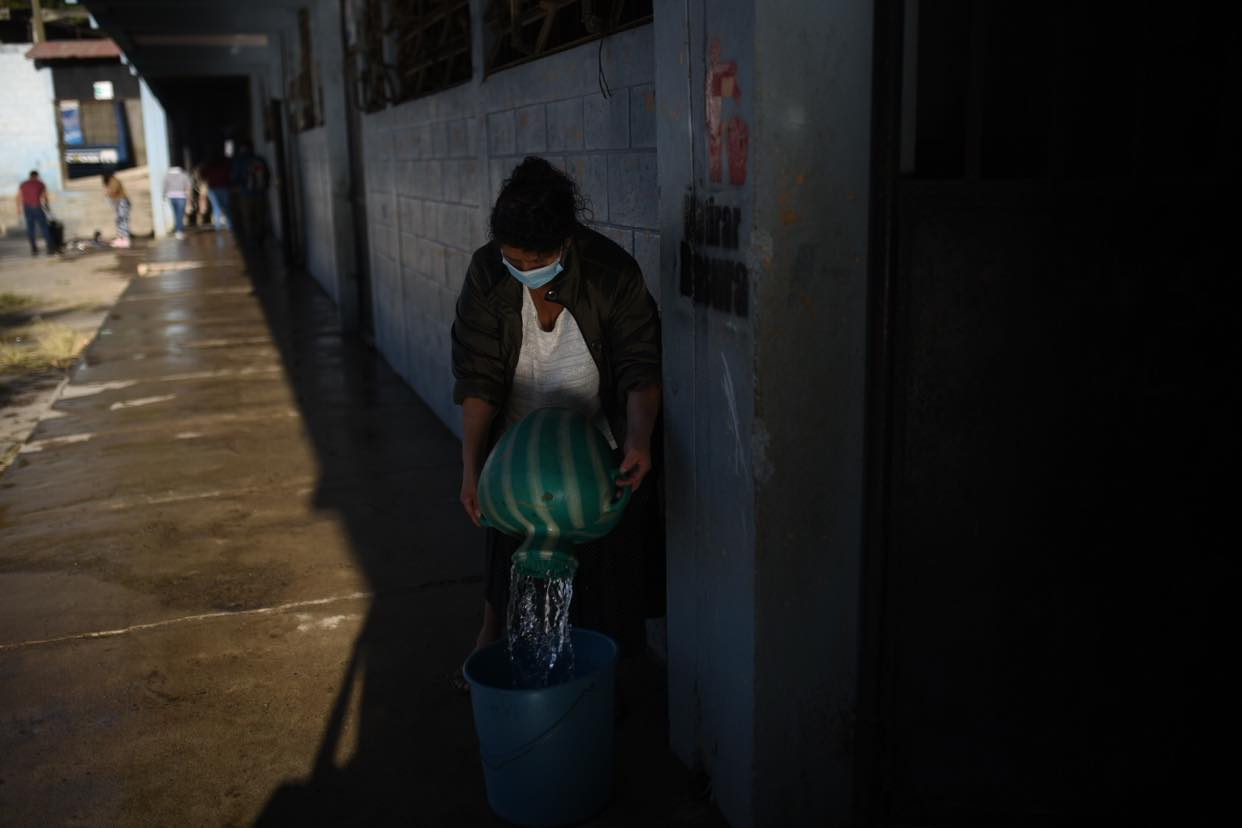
<point x="198" y="19"/>
<point x="130" y="22"/>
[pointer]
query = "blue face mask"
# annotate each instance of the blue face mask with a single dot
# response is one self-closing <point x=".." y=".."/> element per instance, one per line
<point x="536" y="278"/>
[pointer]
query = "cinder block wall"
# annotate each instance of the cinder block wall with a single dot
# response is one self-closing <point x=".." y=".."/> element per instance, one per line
<point x="28" y="138"/>
<point x="435" y="164"/>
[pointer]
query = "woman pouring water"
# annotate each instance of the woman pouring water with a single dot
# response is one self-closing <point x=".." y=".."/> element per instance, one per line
<point x="552" y="313"/>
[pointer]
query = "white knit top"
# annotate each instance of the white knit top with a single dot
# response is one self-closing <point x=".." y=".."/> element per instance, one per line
<point x="555" y="369"/>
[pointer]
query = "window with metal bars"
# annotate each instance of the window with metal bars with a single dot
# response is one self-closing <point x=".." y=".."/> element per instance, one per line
<point x="518" y="31"/>
<point x="432" y="40"/>
<point x="370" y="77"/>
<point x="374" y="86"/>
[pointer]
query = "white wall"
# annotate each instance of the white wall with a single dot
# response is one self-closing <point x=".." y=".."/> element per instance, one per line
<point x="155" y="130"/>
<point x="28" y="137"/>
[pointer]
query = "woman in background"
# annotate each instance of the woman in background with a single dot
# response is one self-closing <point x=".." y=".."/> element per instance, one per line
<point x="176" y="189"/>
<point x="120" y="205"/>
<point x="219" y="178"/>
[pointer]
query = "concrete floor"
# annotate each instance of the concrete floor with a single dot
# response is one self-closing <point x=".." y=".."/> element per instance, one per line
<point x="234" y="580"/>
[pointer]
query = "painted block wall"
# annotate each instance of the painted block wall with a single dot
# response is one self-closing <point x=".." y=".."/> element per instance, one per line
<point x="434" y="166"/>
<point x="28" y="139"/>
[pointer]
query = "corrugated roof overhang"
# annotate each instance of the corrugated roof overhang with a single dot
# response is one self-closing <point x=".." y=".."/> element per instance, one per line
<point x="74" y="50"/>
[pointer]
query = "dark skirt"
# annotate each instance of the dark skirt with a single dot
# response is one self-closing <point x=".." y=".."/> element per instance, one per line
<point x="613" y="586"/>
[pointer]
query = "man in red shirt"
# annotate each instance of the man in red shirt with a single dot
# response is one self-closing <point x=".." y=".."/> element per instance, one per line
<point x="32" y="199"/>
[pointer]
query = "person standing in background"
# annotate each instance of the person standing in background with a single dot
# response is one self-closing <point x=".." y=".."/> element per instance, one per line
<point x="250" y="178"/>
<point x="32" y="201"/>
<point x="219" y="177"/>
<point x="198" y="194"/>
<point x="120" y="205"/>
<point x="176" y="189"/>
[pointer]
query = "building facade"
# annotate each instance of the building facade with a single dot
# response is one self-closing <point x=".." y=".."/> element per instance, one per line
<point x="942" y="304"/>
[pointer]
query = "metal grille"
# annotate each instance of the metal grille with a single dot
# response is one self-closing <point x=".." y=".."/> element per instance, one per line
<point x="522" y="30"/>
<point x="372" y="81"/>
<point x="374" y="87"/>
<point x="432" y="45"/>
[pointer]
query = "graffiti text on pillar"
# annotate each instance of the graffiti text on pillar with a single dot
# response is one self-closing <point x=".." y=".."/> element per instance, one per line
<point x="732" y="135"/>
<point x="718" y="282"/>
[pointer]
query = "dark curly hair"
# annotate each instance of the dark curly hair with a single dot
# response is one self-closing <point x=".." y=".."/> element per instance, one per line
<point x="538" y="208"/>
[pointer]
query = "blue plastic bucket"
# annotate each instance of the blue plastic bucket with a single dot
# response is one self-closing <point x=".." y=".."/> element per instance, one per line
<point x="547" y="753"/>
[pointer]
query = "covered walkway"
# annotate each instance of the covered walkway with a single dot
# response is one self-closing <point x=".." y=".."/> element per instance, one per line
<point x="236" y="578"/>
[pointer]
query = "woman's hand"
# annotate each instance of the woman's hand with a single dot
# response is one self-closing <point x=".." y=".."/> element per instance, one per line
<point x="470" y="498"/>
<point x="477" y="416"/>
<point x="635" y="465"/>
<point x="642" y="406"/>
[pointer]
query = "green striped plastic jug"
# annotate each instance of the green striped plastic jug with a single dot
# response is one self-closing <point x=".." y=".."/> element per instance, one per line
<point x="551" y="479"/>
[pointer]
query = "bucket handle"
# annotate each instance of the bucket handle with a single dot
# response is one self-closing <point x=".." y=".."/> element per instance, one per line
<point x="497" y="764"/>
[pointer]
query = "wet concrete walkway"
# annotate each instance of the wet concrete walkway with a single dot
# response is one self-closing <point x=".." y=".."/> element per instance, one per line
<point x="234" y="579"/>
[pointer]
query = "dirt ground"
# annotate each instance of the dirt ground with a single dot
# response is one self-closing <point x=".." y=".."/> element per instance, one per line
<point x="51" y="308"/>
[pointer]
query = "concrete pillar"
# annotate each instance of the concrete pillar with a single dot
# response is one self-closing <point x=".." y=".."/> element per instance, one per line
<point x="329" y="55"/>
<point x="155" y="133"/>
<point x="274" y="89"/>
<point x="260" y="81"/>
<point x="763" y="141"/>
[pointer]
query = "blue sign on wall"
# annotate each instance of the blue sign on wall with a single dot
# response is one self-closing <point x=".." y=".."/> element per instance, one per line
<point x="71" y="121"/>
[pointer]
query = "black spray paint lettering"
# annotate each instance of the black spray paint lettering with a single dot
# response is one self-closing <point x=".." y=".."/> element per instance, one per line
<point x="709" y="224"/>
<point x="719" y="283"/>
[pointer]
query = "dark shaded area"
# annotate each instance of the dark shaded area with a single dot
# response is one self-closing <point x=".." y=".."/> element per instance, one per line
<point x="15" y="390"/>
<point x="1048" y="615"/>
<point x="75" y="80"/>
<point x="17" y="26"/>
<point x="203" y="113"/>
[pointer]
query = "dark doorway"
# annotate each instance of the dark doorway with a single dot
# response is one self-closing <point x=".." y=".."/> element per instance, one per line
<point x="204" y="114"/>
<point x="1053" y="398"/>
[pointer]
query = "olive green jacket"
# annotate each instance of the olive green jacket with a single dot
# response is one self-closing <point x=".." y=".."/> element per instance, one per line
<point x="601" y="286"/>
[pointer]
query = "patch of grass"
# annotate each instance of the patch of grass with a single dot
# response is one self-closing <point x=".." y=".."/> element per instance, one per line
<point x="39" y="347"/>
<point x="14" y="301"/>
